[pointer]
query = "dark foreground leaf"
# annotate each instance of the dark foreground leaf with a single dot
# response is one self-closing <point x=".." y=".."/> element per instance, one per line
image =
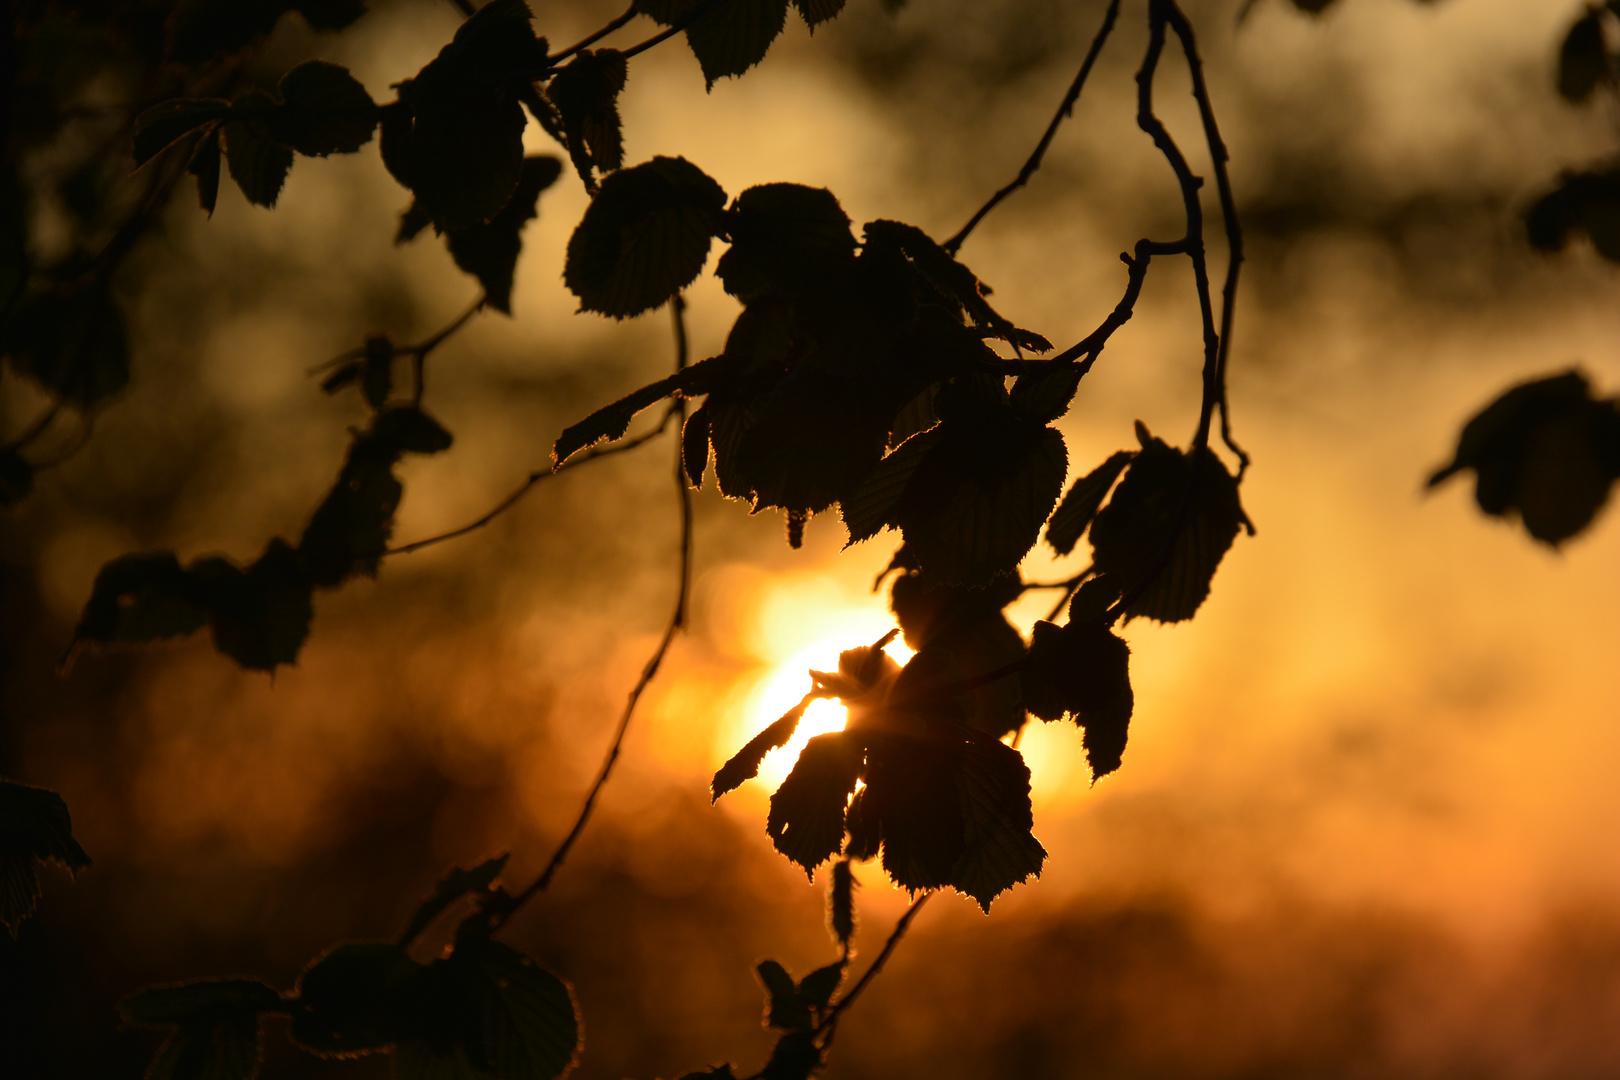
<point x="612" y="421"/>
<point x="35" y="828"/>
<point x="744" y="764"/>
<point x="215" y="1026"/>
<point x="1084" y="499"/>
<point x="1082" y="670"/>
<point x="806" y="821"/>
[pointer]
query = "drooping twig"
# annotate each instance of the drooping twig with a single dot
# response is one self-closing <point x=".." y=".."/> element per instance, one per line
<point x="534" y="479"/>
<point x="829" y="1024"/>
<point x="630" y="13"/>
<point x="500" y="911"/>
<point x="1064" y="111"/>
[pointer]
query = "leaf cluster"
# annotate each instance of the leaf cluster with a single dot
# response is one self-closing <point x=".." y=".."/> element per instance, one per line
<point x="260" y="614"/>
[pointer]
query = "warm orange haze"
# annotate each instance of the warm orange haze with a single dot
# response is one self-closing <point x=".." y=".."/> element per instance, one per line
<point x="1364" y="824"/>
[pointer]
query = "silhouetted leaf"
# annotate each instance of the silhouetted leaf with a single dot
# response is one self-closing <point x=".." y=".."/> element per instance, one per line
<point x="462" y="150"/>
<point x="1544" y="450"/>
<point x="1588" y="202"/>
<point x="489" y="251"/>
<point x="841" y="902"/>
<point x="973" y="639"/>
<point x="167" y="122"/>
<point x="816" y="989"/>
<point x="911" y="802"/>
<point x="204" y="166"/>
<point x="1583" y="59"/>
<point x="784" y="1009"/>
<point x="586" y="94"/>
<point x="952" y="281"/>
<point x="74" y="344"/>
<point x="1045" y="395"/>
<point x="16" y="477"/>
<point x="613" y="420"/>
<point x="729" y="38"/>
<point x="358" y="998"/>
<point x="806" y="821"/>
<point x="1082" y="502"/>
<point x="1091" y="601"/>
<point x="1083" y="670"/>
<point x="644" y="237"/>
<point x="141" y="598"/>
<point x="324" y="110"/>
<point x="499" y="1014"/>
<point x="452" y="887"/>
<point x="816" y="12"/>
<point x="795" y="1057"/>
<point x="180" y="1003"/>
<point x="976" y="504"/>
<point x="377" y="370"/>
<point x="874" y="503"/>
<point x="695" y="446"/>
<point x="35" y="828"/>
<point x="257" y="163"/>
<point x="786" y="239"/>
<point x="216" y="1027"/>
<point x="1129" y="535"/>
<point x="261" y="615"/>
<point x="914" y="416"/>
<point x="999" y="849"/>
<point x="744" y="764"/>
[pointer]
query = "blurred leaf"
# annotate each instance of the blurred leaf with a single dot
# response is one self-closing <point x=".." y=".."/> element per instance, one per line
<point x="1082" y="502"/>
<point x="744" y="764"/>
<point x="358" y="998"/>
<point x="261" y="615"/>
<point x="787" y="240"/>
<point x="1083" y="670"/>
<point x="806" y="821"/>
<point x="785" y="1010"/>
<point x="1128" y="536"/>
<point x="816" y="12"/>
<point x="1588" y="202"/>
<point x="841" y="903"/>
<point x="204" y="166"/>
<point x="816" y="989"/>
<point x="695" y="446"/>
<point x="324" y="110"/>
<point x="1583" y="59"/>
<point x="257" y="163"/>
<point x="490" y="251"/>
<point x="644" y="237"/>
<point x="586" y="95"/>
<point x="999" y="849"/>
<point x="452" y="887"/>
<point x="168" y="122"/>
<point x="794" y="1058"/>
<point x="35" y="828"/>
<point x="72" y="344"/>
<point x="377" y="370"/>
<point x="1544" y="450"/>
<point x="613" y="420"/>
<point x="461" y="150"/>
<point x="16" y="477"/>
<point x="216" y="1027"/>
<point x="141" y="598"/>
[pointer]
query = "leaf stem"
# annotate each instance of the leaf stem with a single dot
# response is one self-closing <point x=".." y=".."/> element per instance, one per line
<point x="585" y="43"/>
<point x="1064" y="111"/>
<point x="829" y="1024"/>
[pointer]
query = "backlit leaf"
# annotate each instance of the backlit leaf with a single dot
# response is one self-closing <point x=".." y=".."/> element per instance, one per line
<point x="999" y="849"/>
<point x="695" y="446"/>
<point x="324" y="110"/>
<point x="873" y="504"/>
<point x="744" y="764"/>
<point x="610" y="422"/>
<point x="806" y="821"/>
<point x="1129" y="535"/>
<point x="816" y="989"/>
<point x="1082" y="670"/>
<point x="1084" y="499"/>
<point x="644" y="237"/>
<point x="784" y="1009"/>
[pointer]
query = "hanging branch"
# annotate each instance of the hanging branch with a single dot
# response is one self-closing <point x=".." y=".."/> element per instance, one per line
<point x="501" y="908"/>
<point x="1064" y="111"/>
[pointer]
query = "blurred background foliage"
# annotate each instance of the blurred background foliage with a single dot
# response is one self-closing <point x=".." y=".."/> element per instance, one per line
<point x="1363" y="828"/>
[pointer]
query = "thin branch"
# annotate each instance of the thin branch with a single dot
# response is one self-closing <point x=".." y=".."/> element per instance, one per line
<point x="829" y="1024"/>
<point x="534" y="479"/>
<point x="1219" y="157"/>
<point x="585" y="43"/>
<point x="699" y="12"/>
<point x="1064" y="111"/>
<point x="502" y="910"/>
